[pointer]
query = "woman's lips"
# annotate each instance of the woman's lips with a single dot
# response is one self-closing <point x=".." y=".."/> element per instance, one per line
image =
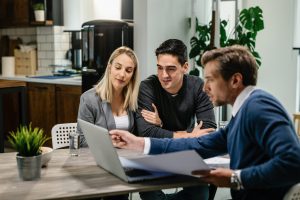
<point x="121" y="81"/>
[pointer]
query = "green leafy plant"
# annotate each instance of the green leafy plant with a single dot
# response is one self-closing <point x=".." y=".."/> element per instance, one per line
<point x="249" y="24"/>
<point x="27" y="141"/>
<point x="38" y="6"/>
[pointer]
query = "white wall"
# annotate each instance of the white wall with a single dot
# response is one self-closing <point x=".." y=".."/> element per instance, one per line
<point x="277" y="73"/>
<point x="76" y="12"/>
<point x="154" y="22"/>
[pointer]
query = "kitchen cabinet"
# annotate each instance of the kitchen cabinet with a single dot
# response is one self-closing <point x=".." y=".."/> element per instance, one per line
<point x="14" y="13"/>
<point x="67" y="103"/>
<point x="50" y="104"/>
<point x="41" y="106"/>
<point x="19" y="13"/>
<point x="12" y="107"/>
<point x="11" y="113"/>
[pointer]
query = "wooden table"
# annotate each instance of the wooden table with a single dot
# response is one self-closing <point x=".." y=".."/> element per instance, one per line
<point x="10" y="86"/>
<point x="79" y="177"/>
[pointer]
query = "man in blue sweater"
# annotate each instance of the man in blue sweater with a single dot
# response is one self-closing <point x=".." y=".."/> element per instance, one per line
<point x="260" y="137"/>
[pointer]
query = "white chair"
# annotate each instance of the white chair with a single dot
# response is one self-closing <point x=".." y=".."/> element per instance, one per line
<point x="297" y="123"/>
<point x="60" y="137"/>
<point x="60" y="134"/>
<point x="293" y="193"/>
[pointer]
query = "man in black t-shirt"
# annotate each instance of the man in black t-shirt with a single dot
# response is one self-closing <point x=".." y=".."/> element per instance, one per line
<point x="169" y="103"/>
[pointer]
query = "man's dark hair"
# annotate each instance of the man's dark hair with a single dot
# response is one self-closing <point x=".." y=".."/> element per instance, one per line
<point x="174" y="47"/>
<point x="233" y="59"/>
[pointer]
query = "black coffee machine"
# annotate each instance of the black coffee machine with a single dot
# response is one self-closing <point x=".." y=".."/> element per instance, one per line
<point x="99" y="39"/>
<point x="75" y="52"/>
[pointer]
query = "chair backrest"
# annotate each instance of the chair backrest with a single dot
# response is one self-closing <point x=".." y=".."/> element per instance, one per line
<point x="60" y="134"/>
<point x="293" y="193"/>
<point x="297" y="123"/>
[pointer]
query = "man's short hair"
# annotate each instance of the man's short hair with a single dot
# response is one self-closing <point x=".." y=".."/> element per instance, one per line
<point x="233" y="59"/>
<point x="174" y="47"/>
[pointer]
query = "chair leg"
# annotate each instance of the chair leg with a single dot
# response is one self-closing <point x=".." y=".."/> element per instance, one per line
<point x="298" y="131"/>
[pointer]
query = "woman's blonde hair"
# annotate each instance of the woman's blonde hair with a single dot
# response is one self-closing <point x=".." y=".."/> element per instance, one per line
<point x="130" y="92"/>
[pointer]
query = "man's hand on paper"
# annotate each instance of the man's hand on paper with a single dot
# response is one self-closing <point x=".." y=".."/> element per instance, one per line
<point x="219" y="176"/>
<point x="125" y="140"/>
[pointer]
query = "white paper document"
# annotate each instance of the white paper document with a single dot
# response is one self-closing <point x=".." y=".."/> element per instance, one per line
<point x="182" y="162"/>
<point x="218" y="161"/>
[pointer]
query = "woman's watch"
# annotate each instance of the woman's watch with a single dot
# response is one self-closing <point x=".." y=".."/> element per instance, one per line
<point x="235" y="182"/>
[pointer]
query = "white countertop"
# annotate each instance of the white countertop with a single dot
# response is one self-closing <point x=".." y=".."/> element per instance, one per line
<point x="76" y="80"/>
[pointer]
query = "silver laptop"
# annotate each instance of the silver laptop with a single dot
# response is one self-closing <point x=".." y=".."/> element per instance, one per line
<point x="100" y="144"/>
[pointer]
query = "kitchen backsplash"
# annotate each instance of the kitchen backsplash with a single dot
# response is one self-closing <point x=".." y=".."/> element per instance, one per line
<point x="52" y="44"/>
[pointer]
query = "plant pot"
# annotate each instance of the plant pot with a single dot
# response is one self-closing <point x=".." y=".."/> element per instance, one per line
<point x="39" y="15"/>
<point x="29" y="168"/>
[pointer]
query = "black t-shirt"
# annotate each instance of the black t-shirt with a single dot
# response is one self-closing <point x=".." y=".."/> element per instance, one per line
<point x="177" y="112"/>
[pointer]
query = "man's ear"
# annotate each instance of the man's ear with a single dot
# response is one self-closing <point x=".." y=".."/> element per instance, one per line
<point x="237" y="80"/>
<point x="185" y="67"/>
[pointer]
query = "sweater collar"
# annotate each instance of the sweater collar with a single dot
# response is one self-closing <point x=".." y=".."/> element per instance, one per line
<point x="241" y="98"/>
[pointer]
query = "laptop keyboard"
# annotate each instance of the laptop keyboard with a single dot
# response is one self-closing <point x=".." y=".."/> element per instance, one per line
<point x="136" y="172"/>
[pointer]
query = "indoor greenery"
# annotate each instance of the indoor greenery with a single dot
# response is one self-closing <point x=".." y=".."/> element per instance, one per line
<point x="38" y="6"/>
<point x="250" y="22"/>
<point x="27" y="141"/>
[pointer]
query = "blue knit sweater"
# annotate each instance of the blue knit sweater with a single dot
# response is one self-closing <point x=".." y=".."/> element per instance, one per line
<point x="260" y="140"/>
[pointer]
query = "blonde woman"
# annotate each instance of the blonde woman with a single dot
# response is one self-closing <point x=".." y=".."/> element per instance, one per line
<point x="112" y="102"/>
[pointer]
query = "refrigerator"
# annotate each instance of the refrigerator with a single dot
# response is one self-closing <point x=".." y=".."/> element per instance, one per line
<point x="99" y="39"/>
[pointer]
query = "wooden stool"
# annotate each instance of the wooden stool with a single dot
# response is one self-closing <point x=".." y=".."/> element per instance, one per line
<point x="297" y="123"/>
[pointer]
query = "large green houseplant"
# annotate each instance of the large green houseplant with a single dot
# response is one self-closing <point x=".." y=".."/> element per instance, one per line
<point x="28" y="141"/>
<point x="249" y="24"/>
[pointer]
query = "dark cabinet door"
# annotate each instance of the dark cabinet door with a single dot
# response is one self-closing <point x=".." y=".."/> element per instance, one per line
<point x="67" y="103"/>
<point x="41" y="106"/>
<point x="6" y="13"/>
<point x="14" y="13"/>
<point x="21" y="13"/>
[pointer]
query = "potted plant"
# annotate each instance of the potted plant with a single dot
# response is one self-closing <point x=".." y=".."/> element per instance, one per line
<point x="39" y="12"/>
<point x="249" y="24"/>
<point x="27" y="142"/>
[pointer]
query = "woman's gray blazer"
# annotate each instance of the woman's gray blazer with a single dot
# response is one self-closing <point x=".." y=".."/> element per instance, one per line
<point x="92" y="109"/>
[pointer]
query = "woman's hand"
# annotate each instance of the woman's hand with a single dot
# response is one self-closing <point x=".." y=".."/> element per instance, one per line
<point x="152" y="117"/>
